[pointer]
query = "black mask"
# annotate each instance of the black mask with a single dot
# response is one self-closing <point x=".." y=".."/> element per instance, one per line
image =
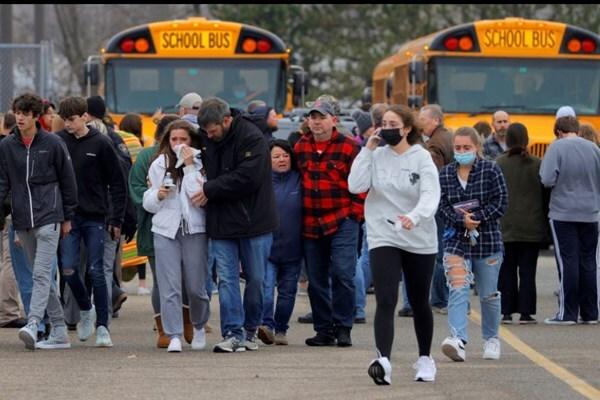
<point x="391" y="136"/>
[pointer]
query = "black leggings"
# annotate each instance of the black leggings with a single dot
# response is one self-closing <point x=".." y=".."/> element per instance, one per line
<point x="387" y="264"/>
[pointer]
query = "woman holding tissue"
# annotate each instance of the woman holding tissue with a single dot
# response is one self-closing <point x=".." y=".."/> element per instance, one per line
<point x="180" y="240"/>
<point x="474" y="197"/>
<point x="404" y="193"/>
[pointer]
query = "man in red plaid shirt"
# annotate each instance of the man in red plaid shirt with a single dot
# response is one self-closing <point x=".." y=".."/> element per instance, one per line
<point x="330" y="227"/>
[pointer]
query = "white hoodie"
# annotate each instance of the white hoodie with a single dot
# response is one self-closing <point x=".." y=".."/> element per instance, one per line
<point x="177" y="206"/>
<point x="398" y="184"/>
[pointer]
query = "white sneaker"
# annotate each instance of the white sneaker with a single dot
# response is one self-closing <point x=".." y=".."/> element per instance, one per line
<point x="380" y="370"/>
<point x="103" y="337"/>
<point x="58" y="339"/>
<point x="28" y="334"/>
<point x="174" y="345"/>
<point x="491" y="349"/>
<point x="199" y="340"/>
<point x="142" y="291"/>
<point x="426" y="370"/>
<point x="85" y="327"/>
<point x="454" y="349"/>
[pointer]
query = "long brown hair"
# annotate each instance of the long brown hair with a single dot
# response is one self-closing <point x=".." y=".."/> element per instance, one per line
<point x="408" y="120"/>
<point x="165" y="147"/>
<point x="517" y="139"/>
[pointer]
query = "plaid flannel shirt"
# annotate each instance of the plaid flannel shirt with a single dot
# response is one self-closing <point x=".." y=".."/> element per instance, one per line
<point x="326" y="200"/>
<point x="486" y="184"/>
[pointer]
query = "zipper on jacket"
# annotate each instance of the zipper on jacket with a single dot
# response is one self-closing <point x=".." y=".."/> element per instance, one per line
<point x="28" y="188"/>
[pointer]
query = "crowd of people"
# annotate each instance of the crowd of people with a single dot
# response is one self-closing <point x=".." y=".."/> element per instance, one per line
<point x="216" y="198"/>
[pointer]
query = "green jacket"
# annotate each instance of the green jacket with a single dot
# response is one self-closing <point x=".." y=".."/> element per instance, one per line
<point x="525" y="219"/>
<point x="138" y="184"/>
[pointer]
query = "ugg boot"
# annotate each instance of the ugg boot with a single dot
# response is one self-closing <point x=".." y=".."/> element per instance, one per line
<point x="188" y="328"/>
<point x="163" y="340"/>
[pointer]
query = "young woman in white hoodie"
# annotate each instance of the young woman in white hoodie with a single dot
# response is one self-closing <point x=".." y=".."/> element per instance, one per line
<point x="404" y="193"/>
<point x="179" y="228"/>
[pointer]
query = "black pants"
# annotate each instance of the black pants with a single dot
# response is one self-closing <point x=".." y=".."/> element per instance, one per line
<point x="517" y="277"/>
<point x="387" y="264"/>
<point x="575" y="247"/>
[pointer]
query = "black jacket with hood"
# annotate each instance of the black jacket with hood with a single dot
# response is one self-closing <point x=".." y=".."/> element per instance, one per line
<point x="40" y="178"/>
<point x="241" y="201"/>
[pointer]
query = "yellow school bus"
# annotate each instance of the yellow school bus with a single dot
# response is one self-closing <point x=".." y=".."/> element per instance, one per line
<point x="528" y="68"/>
<point x="152" y="66"/>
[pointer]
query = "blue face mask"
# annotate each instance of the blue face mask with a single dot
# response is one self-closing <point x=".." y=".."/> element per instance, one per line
<point x="239" y="94"/>
<point x="467" y="158"/>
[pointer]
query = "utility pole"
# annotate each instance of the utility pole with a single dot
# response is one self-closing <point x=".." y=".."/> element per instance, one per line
<point x="6" y="61"/>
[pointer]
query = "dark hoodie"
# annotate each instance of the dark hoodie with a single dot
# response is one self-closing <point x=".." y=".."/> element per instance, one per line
<point x="259" y="116"/>
<point x="241" y="201"/>
<point x="96" y="166"/>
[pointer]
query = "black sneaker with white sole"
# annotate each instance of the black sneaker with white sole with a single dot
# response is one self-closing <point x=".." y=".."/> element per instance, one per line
<point x="380" y="370"/>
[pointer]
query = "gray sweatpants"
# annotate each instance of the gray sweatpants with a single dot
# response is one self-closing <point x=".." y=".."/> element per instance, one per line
<point x="183" y="258"/>
<point x="40" y="246"/>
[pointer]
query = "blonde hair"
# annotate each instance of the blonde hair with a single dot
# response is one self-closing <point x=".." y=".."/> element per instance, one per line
<point x="467" y="131"/>
<point x="588" y="132"/>
<point x="98" y="125"/>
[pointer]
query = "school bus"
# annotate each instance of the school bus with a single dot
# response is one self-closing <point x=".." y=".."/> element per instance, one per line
<point x="528" y="68"/>
<point x="152" y="66"/>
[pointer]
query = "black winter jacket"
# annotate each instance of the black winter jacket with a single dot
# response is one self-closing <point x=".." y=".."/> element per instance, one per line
<point x="40" y="178"/>
<point x="241" y="201"/>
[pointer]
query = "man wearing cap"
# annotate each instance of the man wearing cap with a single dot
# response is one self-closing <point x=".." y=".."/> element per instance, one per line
<point x="571" y="167"/>
<point x="188" y="108"/>
<point x="496" y="142"/>
<point x="330" y="227"/>
<point x="565" y="111"/>
<point x="337" y="111"/>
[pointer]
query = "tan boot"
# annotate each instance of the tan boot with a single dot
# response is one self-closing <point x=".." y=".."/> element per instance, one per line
<point x="163" y="340"/>
<point x="188" y="328"/>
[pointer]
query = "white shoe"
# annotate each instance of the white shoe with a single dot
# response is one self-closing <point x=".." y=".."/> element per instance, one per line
<point x="58" y="339"/>
<point x="85" y="327"/>
<point x="142" y="291"/>
<point x="426" y="370"/>
<point x="103" y="337"/>
<point x="199" y="340"/>
<point x="174" y="345"/>
<point x="454" y="349"/>
<point x="380" y="370"/>
<point x="491" y="349"/>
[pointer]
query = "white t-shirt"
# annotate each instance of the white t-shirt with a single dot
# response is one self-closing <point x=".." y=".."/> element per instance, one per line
<point x="398" y="184"/>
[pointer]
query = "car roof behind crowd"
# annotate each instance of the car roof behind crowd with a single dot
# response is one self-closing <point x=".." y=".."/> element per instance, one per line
<point x="291" y="121"/>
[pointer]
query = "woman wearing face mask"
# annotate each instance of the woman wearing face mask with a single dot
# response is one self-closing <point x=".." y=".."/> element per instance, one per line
<point x="474" y="197"/>
<point x="179" y="228"/>
<point x="404" y="193"/>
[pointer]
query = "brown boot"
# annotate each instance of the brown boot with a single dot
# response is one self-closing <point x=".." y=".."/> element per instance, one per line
<point x="163" y="340"/>
<point x="188" y="328"/>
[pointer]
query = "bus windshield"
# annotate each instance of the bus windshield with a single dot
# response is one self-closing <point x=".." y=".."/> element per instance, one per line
<point x="519" y="86"/>
<point x="143" y="85"/>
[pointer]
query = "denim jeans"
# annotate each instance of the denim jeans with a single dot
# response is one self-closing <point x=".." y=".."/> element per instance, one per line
<point x="253" y="253"/>
<point x="285" y="277"/>
<point x="332" y="256"/>
<point x="362" y="279"/>
<point x="486" y="272"/>
<point x="439" y="288"/>
<point x="92" y="233"/>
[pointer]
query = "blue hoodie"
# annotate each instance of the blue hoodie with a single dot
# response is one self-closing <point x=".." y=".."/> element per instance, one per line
<point x="287" y="240"/>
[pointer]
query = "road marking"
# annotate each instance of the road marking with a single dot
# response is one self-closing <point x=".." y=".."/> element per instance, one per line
<point x="578" y="384"/>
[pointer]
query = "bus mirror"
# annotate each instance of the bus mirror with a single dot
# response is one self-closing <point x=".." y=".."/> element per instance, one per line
<point x="300" y="81"/>
<point x="415" y="101"/>
<point x="417" y="71"/>
<point x="91" y="73"/>
<point x="367" y="95"/>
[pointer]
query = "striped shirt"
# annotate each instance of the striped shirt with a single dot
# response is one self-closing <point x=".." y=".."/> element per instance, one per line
<point x="132" y="142"/>
<point x="326" y="199"/>
<point x="485" y="184"/>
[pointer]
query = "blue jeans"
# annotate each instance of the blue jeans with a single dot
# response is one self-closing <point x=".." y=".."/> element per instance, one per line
<point x="486" y="272"/>
<point x="285" y="277"/>
<point x="92" y="233"/>
<point x="362" y="279"/>
<point x="253" y="253"/>
<point x="439" y="288"/>
<point x="24" y="273"/>
<point x="332" y="256"/>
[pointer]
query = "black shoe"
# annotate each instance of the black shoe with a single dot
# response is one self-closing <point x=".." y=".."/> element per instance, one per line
<point x="526" y="319"/>
<point x="405" y="312"/>
<point x="360" y="320"/>
<point x="343" y="337"/>
<point x="306" y="319"/>
<point x="15" y="323"/>
<point x="71" y="327"/>
<point x="507" y="319"/>
<point x="118" y="299"/>
<point x="320" y="339"/>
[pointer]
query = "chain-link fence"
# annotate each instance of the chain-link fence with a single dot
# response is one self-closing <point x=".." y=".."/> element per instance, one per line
<point x="24" y="67"/>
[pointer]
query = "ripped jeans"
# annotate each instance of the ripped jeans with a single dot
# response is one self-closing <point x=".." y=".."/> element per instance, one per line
<point x="459" y="275"/>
